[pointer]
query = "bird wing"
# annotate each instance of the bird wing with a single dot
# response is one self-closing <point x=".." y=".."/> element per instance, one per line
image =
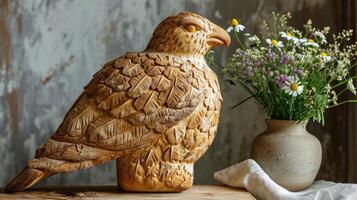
<point x="128" y="104"/>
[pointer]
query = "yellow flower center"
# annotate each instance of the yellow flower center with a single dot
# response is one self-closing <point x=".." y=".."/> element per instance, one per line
<point x="323" y="54"/>
<point x="274" y="42"/>
<point x="294" y="87"/>
<point x="289" y="34"/>
<point x="234" y="22"/>
<point x="310" y="41"/>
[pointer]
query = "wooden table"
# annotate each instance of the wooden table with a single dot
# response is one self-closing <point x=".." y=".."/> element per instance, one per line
<point x="112" y="193"/>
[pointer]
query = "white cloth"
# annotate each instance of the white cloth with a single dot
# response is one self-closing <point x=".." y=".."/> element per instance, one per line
<point x="250" y="175"/>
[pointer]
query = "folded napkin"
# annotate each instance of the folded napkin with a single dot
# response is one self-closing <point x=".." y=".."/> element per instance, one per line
<point x="249" y="175"/>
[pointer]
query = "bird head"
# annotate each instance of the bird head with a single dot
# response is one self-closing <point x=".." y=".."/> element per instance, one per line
<point x="187" y="33"/>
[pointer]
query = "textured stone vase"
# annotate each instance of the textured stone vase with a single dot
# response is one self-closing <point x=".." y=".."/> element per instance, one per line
<point x="288" y="153"/>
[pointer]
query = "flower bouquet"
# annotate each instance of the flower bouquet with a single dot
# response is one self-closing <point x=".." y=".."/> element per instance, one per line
<point x="295" y="75"/>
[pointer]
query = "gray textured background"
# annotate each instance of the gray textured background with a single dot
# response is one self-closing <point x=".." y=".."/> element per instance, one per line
<point x="50" y="49"/>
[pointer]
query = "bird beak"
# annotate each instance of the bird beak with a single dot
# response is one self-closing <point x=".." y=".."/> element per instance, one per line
<point x="219" y="37"/>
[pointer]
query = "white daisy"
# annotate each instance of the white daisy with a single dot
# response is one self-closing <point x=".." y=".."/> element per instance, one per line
<point x="293" y="86"/>
<point x="324" y="57"/>
<point x="274" y="43"/>
<point x="320" y="36"/>
<point x="309" y="42"/>
<point x="287" y="35"/>
<point x="254" y="39"/>
<point x="234" y="25"/>
<point x="290" y="37"/>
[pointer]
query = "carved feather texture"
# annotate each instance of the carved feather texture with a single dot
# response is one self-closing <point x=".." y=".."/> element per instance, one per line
<point x="80" y="117"/>
<point x="111" y="101"/>
<point x="172" y="153"/>
<point x="173" y="96"/>
<point x="152" y="157"/>
<point x="126" y="137"/>
<point x="101" y="89"/>
<point x="175" y="134"/>
<point x="149" y="102"/>
<point x="123" y="110"/>
<point x="105" y="128"/>
<point x="160" y="83"/>
<point x="132" y="70"/>
<point x="139" y="85"/>
<point x="155" y="111"/>
<point x="122" y="63"/>
<point x="155" y="70"/>
<point x="118" y="81"/>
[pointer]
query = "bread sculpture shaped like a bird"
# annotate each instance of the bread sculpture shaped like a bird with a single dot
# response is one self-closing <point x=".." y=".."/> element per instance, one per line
<point x="156" y="112"/>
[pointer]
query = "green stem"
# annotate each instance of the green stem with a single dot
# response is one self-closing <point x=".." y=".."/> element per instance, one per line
<point x="291" y="107"/>
<point x="237" y="38"/>
<point x="343" y="82"/>
<point x="343" y="102"/>
<point x="241" y="102"/>
<point x="344" y="90"/>
<point x="352" y="66"/>
<point x="275" y="27"/>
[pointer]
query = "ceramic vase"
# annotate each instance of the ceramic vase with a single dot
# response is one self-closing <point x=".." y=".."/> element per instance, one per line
<point x="289" y="154"/>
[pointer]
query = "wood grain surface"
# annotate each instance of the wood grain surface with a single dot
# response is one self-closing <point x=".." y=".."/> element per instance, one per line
<point x="155" y="111"/>
<point x="111" y="192"/>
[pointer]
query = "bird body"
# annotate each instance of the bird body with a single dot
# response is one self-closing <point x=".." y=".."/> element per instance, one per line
<point x="156" y="112"/>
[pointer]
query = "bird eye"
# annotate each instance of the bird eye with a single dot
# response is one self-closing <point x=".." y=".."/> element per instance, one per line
<point x="191" y="28"/>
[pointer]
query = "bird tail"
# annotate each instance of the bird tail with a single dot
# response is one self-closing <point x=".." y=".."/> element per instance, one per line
<point x="27" y="178"/>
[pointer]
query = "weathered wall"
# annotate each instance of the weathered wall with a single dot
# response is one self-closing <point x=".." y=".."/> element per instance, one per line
<point x="50" y="49"/>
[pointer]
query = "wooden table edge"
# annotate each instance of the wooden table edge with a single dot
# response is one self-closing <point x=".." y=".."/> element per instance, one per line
<point x="112" y="192"/>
